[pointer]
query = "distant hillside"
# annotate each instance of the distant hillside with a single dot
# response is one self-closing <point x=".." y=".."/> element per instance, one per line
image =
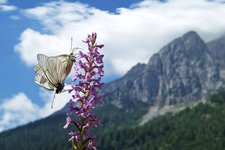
<point x="198" y="128"/>
<point x="48" y="133"/>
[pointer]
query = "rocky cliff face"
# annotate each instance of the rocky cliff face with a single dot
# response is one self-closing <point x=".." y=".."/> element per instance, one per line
<point x="127" y="91"/>
<point x="182" y="71"/>
<point x="217" y="50"/>
<point x="185" y="71"/>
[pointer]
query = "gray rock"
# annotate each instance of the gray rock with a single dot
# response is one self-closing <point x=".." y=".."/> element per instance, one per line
<point x="217" y="50"/>
<point x="181" y="72"/>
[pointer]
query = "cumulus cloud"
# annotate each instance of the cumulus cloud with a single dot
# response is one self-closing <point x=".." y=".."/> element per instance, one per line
<point x="5" y="8"/>
<point x="19" y="109"/>
<point x="130" y="35"/>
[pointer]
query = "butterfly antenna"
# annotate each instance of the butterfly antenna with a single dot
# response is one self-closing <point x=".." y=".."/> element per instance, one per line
<point x="71" y="45"/>
<point x="65" y="90"/>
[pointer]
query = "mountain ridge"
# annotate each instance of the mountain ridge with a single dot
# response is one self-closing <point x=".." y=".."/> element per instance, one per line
<point x="182" y="71"/>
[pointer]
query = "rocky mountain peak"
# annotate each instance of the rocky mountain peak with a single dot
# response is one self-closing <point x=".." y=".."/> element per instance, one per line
<point x="191" y="35"/>
<point x="188" y="71"/>
<point x="190" y="46"/>
<point x="181" y="72"/>
<point x="135" y="70"/>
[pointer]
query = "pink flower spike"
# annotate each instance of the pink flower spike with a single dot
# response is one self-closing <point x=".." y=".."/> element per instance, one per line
<point x="68" y="121"/>
<point x="87" y="89"/>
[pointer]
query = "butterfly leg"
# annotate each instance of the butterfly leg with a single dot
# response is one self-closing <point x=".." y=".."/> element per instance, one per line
<point x="53" y="98"/>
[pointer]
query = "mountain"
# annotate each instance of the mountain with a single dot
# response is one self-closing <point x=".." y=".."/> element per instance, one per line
<point x="217" y="50"/>
<point x="181" y="72"/>
<point x="185" y="71"/>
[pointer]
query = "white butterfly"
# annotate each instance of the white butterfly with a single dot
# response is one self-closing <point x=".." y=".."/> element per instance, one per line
<point x="52" y="71"/>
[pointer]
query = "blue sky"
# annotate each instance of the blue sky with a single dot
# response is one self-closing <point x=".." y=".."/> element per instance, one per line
<point x="132" y="31"/>
<point x="18" y="76"/>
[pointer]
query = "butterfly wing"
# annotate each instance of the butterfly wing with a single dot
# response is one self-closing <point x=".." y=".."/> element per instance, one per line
<point x="64" y="67"/>
<point x="53" y="65"/>
<point x="52" y="71"/>
<point x="44" y="77"/>
<point x="43" y="81"/>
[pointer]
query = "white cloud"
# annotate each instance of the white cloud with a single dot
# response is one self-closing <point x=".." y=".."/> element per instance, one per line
<point x="7" y="8"/>
<point x="19" y="109"/>
<point x="130" y="36"/>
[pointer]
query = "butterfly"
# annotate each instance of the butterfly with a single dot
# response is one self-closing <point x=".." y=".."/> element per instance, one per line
<point x="52" y="71"/>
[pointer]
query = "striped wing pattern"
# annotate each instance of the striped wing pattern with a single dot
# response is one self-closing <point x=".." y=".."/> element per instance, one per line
<point x="41" y="77"/>
<point x="52" y="71"/>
